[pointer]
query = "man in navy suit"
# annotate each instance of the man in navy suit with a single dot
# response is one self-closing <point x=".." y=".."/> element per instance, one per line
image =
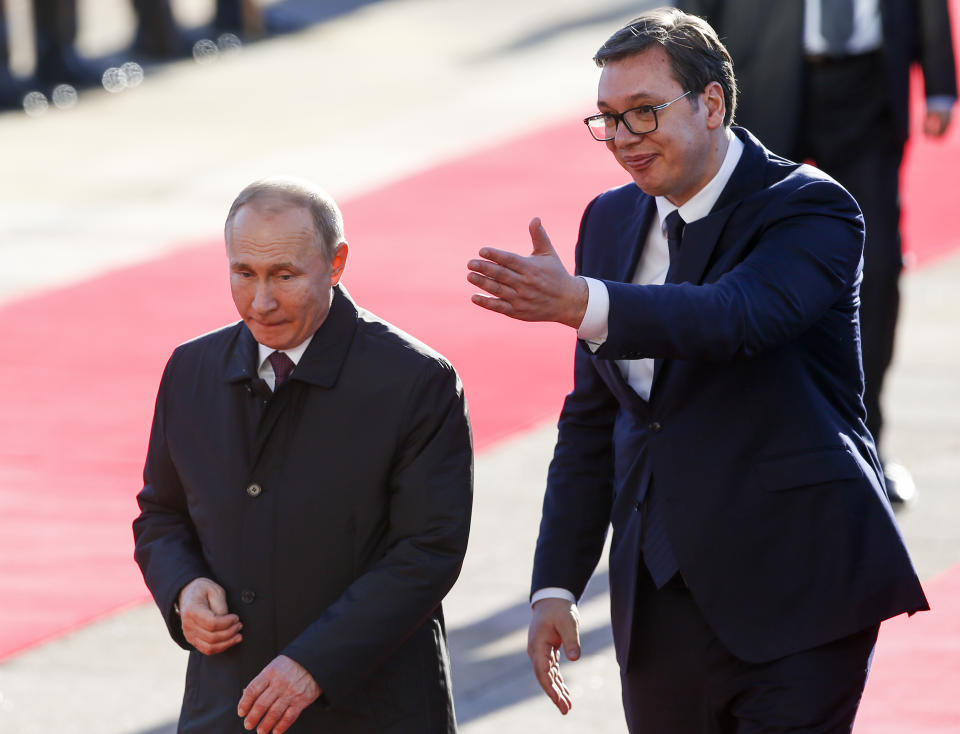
<point x="716" y="419"/>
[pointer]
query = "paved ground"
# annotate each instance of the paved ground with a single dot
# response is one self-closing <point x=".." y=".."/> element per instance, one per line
<point x="355" y="102"/>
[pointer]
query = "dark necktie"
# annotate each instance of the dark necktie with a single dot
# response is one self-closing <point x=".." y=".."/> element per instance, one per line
<point x="675" y="226"/>
<point x="282" y="367"/>
<point x="836" y="24"/>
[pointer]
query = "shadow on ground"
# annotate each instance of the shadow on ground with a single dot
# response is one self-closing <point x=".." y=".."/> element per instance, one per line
<point x="484" y="682"/>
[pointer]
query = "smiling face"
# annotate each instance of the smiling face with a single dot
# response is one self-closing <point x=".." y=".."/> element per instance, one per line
<point x="280" y="276"/>
<point x="685" y="151"/>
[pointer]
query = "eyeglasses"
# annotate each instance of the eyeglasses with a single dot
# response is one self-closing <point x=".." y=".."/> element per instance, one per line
<point x="639" y="120"/>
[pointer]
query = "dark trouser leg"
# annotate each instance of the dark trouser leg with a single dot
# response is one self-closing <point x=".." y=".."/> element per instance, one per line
<point x="681" y="679"/>
<point x="55" y="26"/>
<point x="873" y="184"/>
<point x="665" y="686"/>
<point x="9" y="91"/>
<point x="157" y="33"/>
<point x="850" y="135"/>
<point x="815" y="691"/>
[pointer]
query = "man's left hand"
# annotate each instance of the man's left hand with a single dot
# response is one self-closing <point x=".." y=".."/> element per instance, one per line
<point x="936" y="122"/>
<point x="275" y="698"/>
<point x="533" y="288"/>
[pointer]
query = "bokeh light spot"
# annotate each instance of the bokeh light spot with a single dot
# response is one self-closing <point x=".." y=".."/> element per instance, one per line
<point x="133" y="72"/>
<point x="64" y="96"/>
<point x="35" y="104"/>
<point x="229" y="43"/>
<point x="205" y="51"/>
<point x="114" y="80"/>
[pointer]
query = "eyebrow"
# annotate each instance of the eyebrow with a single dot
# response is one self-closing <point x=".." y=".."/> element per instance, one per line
<point x="272" y="269"/>
<point x="638" y="99"/>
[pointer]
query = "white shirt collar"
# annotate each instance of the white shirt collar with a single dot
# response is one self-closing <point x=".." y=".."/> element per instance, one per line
<point x="700" y="204"/>
<point x="295" y="353"/>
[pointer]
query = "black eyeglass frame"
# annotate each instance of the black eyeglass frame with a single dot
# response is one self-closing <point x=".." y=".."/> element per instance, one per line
<point x="618" y="118"/>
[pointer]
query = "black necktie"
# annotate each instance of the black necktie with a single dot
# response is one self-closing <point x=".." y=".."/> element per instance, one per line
<point x="675" y="226"/>
<point x="836" y="24"/>
<point x="282" y="367"/>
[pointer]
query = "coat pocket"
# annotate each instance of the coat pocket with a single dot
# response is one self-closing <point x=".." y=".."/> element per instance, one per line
<point x="807" y="468"/>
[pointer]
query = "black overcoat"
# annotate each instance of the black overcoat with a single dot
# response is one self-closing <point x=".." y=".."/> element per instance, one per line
<point x="334" y="513"/>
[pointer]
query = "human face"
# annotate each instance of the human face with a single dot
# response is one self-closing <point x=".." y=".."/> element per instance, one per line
<point x="685" y="151"/>
<point x="280" y="277"/>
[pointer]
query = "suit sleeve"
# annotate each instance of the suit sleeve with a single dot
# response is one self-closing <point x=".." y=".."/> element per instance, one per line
<point x="429" y="521"/>
<point x="576" y="505"/>
<point x="166" y="545"/>
<point x="936" y="53"/>
<point x="804" y="260"/>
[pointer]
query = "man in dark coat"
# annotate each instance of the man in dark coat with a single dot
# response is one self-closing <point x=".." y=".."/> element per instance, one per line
<point x="307" y="495"/>
<point x="716" y="419"/>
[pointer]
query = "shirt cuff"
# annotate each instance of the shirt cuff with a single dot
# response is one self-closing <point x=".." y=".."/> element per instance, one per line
<point x="552" y="592"/>
<point x="939" y="103"/>
<point x="593" y="328"/>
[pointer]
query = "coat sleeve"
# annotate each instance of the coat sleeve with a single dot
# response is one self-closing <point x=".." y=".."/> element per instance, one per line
<point x="429" y="519"/>
<point x="804" y="260"/>
<point x="935" y="51"/>
<point x="166" y="545"/>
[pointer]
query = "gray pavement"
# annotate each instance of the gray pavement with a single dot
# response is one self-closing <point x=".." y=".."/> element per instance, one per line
<point x="124" y="177"/>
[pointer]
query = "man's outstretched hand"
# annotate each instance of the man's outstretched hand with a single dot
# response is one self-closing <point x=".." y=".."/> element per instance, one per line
<point x="533" y="288"/>
<point x="555" y="624"/>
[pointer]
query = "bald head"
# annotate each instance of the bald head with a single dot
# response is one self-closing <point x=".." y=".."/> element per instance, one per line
<point x="275" y="195"/>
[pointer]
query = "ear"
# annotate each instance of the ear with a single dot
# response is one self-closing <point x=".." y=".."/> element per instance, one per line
<point x="715" y="104"/>
<point x="338" y="263"/>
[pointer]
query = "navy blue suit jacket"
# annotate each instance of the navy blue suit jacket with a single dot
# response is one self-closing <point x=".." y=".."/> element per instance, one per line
<point x="754" y="433"/>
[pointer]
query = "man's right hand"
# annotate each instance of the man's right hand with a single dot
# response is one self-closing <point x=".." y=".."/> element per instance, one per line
<point x="555" y="623"/>
<point x="205" y="619"/>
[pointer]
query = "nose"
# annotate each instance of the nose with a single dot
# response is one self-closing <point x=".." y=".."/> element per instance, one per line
<point x="623" y="135"/>
<point x="263" y="299"/>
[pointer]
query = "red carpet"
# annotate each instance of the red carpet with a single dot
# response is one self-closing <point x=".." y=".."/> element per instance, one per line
<point x="916" y="668"/>
<point x="84" y="362"/>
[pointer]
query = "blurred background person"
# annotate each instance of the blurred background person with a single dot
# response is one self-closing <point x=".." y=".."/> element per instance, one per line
<point x="11" y="88"/>
<point x="828" y="81"/>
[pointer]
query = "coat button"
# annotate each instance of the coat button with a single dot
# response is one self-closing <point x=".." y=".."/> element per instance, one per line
<point x="655" y="427"/>
<point x="247" y="596"/>
<point x="254" y="490"/>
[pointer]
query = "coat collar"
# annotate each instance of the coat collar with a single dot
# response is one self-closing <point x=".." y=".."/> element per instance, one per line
<point x="320" y="364"/>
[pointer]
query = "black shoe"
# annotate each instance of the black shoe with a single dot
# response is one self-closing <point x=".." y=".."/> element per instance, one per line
<point x="900" y="487"/>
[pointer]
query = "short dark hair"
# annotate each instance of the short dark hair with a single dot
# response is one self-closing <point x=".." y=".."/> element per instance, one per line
<point x="295" y="193"/>
<point x="697" y="57"/>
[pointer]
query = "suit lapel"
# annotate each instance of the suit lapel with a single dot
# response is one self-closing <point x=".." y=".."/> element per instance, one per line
<point x="700" y="238"/>
<point x="631" y="247"/>
<point x="634" y="239"/>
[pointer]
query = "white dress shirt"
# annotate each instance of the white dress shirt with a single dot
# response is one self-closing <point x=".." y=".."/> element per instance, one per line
<point x="867" y="32"/>
<point x="651" y="270"/>
<point x="265" y="370"/>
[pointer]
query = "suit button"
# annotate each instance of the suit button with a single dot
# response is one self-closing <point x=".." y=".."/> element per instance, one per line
<point x="247" y="596"/>
<point x="254" y="490"/>
<point x="655" y="427"/>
